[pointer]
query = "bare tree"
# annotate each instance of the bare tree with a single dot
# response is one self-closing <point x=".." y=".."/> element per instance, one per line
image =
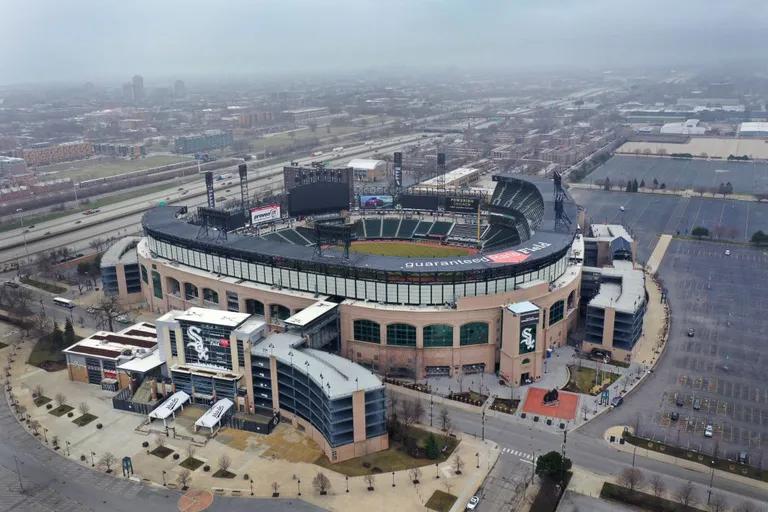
<point x="275" y="488"/>
<point x="84" y="408"/>
<point x="686" y="494"/>
<point x="61" y="399"/>
<point x="658" y="486"/>
<point x="321" y="483"/>
<point x="34" y="426"/>
<point x="108" y="309"/>
<point x="631" y="477"/>
<point x="183" y="478"/>
<point x="415" y="474"/>
<point x="445" y="419"/>
<point x="191" y="450"/>
<point x="107" y="461"/>
<point x="160" y="441"/>
<point x="369" y="479"/>
<point x="38" y="391"/>
<point x="458" y="464"/>
<point x="718" y="503"/>
<point x="224" y="462"/>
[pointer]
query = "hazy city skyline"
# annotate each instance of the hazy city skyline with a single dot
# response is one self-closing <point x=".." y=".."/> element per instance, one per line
<point x="49" y="41"/>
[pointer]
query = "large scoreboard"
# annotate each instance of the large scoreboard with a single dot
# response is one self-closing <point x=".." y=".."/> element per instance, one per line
<point x="317" y="190"/>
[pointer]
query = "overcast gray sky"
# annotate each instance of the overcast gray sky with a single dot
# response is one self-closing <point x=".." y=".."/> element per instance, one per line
<point x="97" y="40"/>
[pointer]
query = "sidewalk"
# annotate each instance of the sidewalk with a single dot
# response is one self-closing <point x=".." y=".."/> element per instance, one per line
<point x="251" y="454"/>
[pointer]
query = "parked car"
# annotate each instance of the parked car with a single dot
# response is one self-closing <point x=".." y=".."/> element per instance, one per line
<point x="691" y="332"/>
<point x="708" y="431"/>
<point x="473" y="501"/>
<point x="674" y="416"/>
<point x="91" y="310"/>
<point x="727" y="252"/>
<point x="123" y="319"/>
<point x="743" y="458"/>
<point x="679" y="401"/>
<point x="696" y="404"/>
<point x="617" y="401"/>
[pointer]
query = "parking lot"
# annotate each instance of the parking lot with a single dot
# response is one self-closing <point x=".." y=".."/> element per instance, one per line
<point x="648" y="215"/>
<point x="721" y="367"/>
<point x="679" y="174"/>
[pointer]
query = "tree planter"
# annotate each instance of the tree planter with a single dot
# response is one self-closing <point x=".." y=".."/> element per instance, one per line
<point x="275" y="494"/>
<point x="415" y="482"/>
<point x="370" y="488"/>
<point x="323" y="493"/>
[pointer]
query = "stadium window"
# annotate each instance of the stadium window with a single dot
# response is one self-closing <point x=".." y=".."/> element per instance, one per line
<point x="367" y="330"/>
<point x="438" y="335"/>
<point x="190" y="291"/>
<point x="210" y="295"/>
<point x="172" y="339"/>
<point x="403" y="335"/>
<point x="473" y="333"/>
<point x="144" y="275"/>
<point x="254" y="307"/>
<point x="233" y="303"/>
<point x="556" y="312"/>
<point x="278" y="312"/>
<point x="157" y="284"/>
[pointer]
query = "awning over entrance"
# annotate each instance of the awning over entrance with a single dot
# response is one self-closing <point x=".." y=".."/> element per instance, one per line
<point x="170" y="406"/>
<point x="213" y="416"/>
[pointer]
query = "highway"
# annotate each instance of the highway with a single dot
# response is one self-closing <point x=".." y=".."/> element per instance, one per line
<point x="77" y="230"/>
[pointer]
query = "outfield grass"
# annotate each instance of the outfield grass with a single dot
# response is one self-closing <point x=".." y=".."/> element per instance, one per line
<point x="409" y="249"/>
<point x="99" y="168"/>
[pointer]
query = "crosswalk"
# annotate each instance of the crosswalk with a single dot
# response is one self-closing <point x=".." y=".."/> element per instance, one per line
<point x="522" y="455"/>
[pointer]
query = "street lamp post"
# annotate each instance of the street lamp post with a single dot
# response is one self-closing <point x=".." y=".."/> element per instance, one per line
<point x="93" y="461"/>
<point x="68" y="443"/>
<point x="437" y="471"/>
<point x="393" y="479"/>
<point x="634" y="452"/>
<point x="346" y="479"/>
<point x="711" y="481"/>
<point x="483" y="425"/>
<point x="298" y="485"/>
<point x="477" y="454"/>
<point x="163" y="478"/>
<point x="251" y="482"/>
<point x="45" y="435"/>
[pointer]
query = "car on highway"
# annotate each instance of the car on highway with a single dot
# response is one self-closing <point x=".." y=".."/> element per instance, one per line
<point x="691" y="332"/>
<point x="743" y="458"/>
<point x="78" y="221"/>
<point x="696" y="404"/>
<point x="46" y="233"/>
<point x="708" y="431"/>
<point x="472" y="504"/>
<point x="727" y="252"/>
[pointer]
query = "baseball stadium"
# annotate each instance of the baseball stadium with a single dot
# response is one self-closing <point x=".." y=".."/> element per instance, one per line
<point x="421" y="283"/>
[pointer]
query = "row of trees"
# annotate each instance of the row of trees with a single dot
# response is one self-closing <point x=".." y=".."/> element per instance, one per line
<point x="685" y="494"/>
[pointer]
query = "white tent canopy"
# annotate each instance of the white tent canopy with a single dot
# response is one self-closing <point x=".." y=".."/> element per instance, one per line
<point x="170" y="406"/>
<point x="214" y="415"/>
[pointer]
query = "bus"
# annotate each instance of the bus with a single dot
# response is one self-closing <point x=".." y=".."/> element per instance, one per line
<point x="65" y="303"/>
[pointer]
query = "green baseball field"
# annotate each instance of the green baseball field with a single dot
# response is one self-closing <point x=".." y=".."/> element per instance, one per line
<point x="409" y="249"/>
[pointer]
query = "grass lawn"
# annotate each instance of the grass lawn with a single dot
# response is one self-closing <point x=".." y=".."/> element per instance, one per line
<point x="583" y="380"/>
<point x="409" y="249"/>
<point x="47" y="356"/>
<point x="102" y="167"/>
<point x="641" y="499"/>
<point x="48" y="287"/>
<point x="41" y="400"/>
<point x="84" y="419"/>
<point x="395" y="458"/>
<point x="191" y="463"/>
<point x="223" y="473"/>
<point x="441" y="501"/>
<point x="61" y="410"/>
<point x="161" y="451"/>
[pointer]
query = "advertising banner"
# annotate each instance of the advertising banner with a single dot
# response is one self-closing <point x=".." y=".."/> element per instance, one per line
<point x="377" y="201"/>
<point x="462" y="204"/>
<point x="263" y="214"/>
<point x="207" y="345"/>
<point x="528" y="335"/>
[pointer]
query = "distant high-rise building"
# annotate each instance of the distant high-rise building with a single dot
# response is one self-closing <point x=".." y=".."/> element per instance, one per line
<point x="128" y="91"/>
<point x="138" y="88"/>
<point x="179" y="89"/>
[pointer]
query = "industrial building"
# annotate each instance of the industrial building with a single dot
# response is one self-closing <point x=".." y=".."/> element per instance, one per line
<point x="368" y="169"/>
<point x="211" y="139"/>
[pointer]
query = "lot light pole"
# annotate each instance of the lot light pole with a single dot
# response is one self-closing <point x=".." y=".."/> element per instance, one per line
<point x="711" y="481"/>
<point x="393" y="479"/>
<point x="45" y="435"/>
<point x="477" y="454"/>
<point x="93" y="461"/>
<point x="163" y="478"/>
<point x="251" y="482"/>
<point x="298" y="485"/>
<point x="68" y="443"/>
<point x="346" y="478"/>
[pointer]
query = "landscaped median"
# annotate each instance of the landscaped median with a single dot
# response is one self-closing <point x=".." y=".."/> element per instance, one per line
<point x="699" y="458"/>
<point x="643" y="500"/>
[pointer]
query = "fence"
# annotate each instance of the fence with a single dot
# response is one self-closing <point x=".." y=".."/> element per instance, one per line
<point x="123" y="401"/>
